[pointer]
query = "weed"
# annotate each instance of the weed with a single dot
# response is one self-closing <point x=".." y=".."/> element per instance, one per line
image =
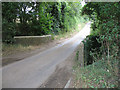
<point x="8" y="49"/>
<point x="97" y="77"/>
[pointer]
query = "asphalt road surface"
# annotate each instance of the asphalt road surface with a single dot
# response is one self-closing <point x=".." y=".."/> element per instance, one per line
<point x="33" y="71"/>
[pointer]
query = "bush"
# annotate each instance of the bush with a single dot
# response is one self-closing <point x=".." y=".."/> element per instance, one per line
<point x="90" y="45"/>
<point x="8" y="31"/>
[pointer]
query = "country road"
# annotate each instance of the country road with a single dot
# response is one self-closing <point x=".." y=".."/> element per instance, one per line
<point x="31" y="72"/>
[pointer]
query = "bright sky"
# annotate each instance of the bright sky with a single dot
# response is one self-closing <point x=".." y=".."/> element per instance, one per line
<point x="83" y="3"/>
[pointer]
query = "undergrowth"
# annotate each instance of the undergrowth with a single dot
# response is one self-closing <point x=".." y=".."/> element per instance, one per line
<point x="71" y="32"/>
<point x="97" y="75"/>
<point x="103" y="72"/>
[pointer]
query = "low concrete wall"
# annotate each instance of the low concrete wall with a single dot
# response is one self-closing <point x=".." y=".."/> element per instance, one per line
<point x="32" y="40"/>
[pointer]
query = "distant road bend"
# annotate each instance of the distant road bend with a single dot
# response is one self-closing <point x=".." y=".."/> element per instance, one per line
<point x="31" y="72"/>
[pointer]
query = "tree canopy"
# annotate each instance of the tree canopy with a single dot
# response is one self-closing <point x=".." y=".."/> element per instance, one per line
<point x="38" y="18"/>
<point x="106" y="25"/>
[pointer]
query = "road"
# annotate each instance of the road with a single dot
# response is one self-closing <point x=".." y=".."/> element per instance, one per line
<point x="33" y="71"/>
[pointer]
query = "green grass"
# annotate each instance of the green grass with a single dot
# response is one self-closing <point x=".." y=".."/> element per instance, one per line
<point x="8" y="49"/>
<point x="70" y="32"/>
<point x="97" y="75"/>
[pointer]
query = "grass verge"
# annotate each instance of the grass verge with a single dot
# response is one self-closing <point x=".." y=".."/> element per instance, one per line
<point x="8" y="49"/>
<point x="97" y="75"/>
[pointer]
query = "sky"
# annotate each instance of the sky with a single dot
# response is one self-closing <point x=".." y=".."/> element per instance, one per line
<point x="83" y="3"/>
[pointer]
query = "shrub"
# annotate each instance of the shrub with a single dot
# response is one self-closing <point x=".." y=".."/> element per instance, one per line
<point x="90" y="45"/>
<point x="8" y="31"/>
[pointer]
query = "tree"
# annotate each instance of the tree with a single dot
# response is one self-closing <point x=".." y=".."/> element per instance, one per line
<point x="39" y="18"/>
<point x="105" y="17"/>
<point x="9" y="14"/>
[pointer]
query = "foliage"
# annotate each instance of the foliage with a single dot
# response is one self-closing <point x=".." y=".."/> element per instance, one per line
<point x="40" y="18"/>
<point x="91" y="45"/>
<point x="8" y="21"/>
<point x="8" y="31"/>
<point x="106" y="25"/>
<point x="96" y="75"/>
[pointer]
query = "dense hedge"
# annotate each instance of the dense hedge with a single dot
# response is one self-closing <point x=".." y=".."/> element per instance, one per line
<point x="106" y="25"/>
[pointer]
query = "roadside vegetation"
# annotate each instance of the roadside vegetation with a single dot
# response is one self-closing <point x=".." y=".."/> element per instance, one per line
<point x="59" y="19"/>
<point x="8" y="49"/>
<point x="73" y="31"/>
<point x="101" y="48"/>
